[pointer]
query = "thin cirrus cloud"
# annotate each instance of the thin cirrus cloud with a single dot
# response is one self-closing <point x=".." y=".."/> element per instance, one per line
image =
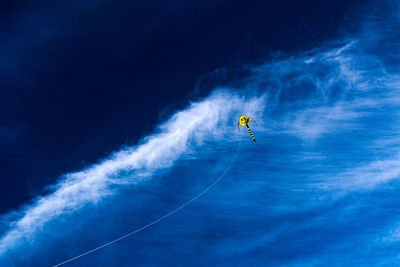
<point x="338" y="97"/>
<point x="158" y="151"/>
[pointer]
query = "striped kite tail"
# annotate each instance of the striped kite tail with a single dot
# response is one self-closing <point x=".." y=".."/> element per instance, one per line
<point x="251" y="134"/>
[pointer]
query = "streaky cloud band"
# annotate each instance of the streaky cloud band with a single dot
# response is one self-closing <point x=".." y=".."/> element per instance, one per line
<point x="208" y="118"/>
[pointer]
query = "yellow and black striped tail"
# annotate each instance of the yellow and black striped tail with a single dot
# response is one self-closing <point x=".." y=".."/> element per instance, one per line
<point x="251" y="134"/>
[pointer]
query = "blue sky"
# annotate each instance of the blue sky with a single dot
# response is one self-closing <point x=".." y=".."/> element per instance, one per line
<point x="113" y="135"/>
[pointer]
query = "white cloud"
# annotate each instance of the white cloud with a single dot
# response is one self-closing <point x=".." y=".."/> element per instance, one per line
<point x="209" y="118"/>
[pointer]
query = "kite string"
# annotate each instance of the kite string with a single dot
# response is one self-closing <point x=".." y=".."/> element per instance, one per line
<point x="159" y="219"/>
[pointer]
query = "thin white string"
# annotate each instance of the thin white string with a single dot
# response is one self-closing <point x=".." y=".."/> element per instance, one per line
<point x="159" y="219"/>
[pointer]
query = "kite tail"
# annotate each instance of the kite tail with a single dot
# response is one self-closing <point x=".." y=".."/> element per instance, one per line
<point x="251" y="134"/>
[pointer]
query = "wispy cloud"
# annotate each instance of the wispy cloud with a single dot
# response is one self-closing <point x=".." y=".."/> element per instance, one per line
<point x="208" y="118"/>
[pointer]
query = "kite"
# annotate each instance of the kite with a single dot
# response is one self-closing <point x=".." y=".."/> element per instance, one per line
<point x="244" y="121"/>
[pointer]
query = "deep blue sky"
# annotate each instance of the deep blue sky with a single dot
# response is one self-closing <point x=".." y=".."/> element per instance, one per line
<point x="114" y="113"/>
<point x="80" y="79"/>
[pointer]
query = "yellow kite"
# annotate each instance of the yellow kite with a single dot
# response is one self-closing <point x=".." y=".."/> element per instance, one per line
<point x="244" y="121"/>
